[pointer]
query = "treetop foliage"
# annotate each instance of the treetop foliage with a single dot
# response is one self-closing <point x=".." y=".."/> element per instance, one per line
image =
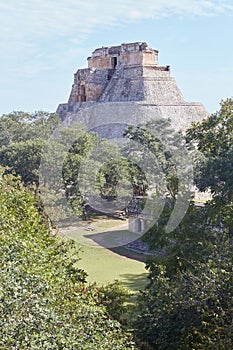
<point x="44" y="301"/>
<point x="188" y="303"/>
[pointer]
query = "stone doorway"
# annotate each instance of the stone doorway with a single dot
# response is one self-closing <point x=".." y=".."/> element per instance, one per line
<point x="113" y="62"/>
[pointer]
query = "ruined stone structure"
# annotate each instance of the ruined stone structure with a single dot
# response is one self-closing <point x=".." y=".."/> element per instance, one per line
<point x="124" y="85"/>
<point x="127" y="76"/>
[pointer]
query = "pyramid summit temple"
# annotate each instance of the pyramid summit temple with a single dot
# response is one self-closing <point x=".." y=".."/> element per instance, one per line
<point x="127" y="77"/>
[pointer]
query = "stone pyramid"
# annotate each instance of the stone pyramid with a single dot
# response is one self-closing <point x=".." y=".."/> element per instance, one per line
<point x="123" y="85"/>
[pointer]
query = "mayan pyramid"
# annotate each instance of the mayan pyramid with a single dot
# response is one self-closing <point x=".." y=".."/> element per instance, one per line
<point x="123" y="85"/>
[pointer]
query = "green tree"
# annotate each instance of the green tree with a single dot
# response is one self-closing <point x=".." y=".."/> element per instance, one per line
<point x="214" y="139"/>
<point x="190" y="310"/>
<point x="159" y="139"/>
<point x="44" y="301"/>
<point x="77" y="154"/>
<point x="23" y="158"/>
<point x="21" y="126"/>
<point x="189" y="301"/>
<point x="22" y="140"/>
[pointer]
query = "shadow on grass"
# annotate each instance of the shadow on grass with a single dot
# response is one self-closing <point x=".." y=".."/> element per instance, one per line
<point x="130" y="254"/>
<point x="116" y="241"/>
<point x="134" y="281"/>
<point x="112" y="238"/>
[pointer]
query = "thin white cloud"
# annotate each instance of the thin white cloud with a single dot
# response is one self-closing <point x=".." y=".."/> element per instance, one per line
<point x="39" y="38"/>
<point x="45" y="18"/>
<point x="42" y="25"/>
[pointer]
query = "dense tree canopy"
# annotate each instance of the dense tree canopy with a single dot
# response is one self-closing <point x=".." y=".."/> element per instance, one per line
<point x="214" y="139"/>
<point x="44" y="302"/>
<point x="189" y="301"/>
<point x="22" y="140"/>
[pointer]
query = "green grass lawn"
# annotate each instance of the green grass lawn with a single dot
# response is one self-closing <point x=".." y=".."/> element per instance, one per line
<point x="102" y="264"/>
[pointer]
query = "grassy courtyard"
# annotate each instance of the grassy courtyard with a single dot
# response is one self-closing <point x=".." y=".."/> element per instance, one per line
<point x="103" y="257"/>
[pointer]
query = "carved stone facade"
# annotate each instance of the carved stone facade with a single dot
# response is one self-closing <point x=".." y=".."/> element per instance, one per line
<point x="123" y="75"/>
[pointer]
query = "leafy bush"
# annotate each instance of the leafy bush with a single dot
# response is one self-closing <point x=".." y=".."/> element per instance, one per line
<point x="189" y="301"/>
<point x="44" y="303"/>
<point x="114" y="297"/>
<point x="188" y="311"/>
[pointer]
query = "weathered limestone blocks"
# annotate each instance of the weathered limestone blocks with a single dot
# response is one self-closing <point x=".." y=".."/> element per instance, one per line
<point x="124" y="85"/>
<point x="128" y="73"/>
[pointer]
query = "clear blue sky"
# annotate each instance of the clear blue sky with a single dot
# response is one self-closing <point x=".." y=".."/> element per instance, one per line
<point x="43" y="42"/>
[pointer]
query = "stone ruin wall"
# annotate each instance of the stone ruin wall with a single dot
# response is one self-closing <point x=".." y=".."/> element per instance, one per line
<point x="128" y="60"/>
<point x="124" y="85"/>
<point x="129" y="73"/>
